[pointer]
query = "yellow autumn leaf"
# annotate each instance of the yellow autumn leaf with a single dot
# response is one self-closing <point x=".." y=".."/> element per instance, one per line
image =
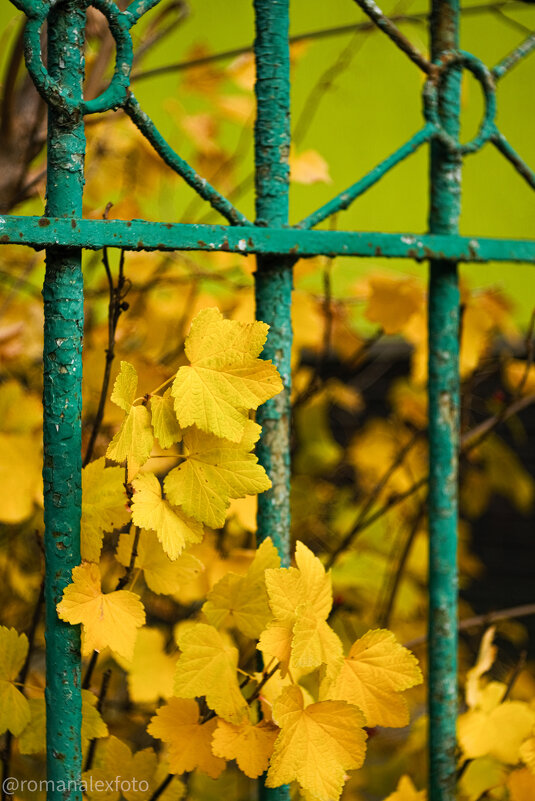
<point x="164" y="422"/>
<point x="33" y="739"/>
<point x="162" y="575"/>
<point x="14" y="708"/>
<point x="110" y="619"/>
<point x="521" y="785"/>
<point x="207" y="667"/>
<point x="134" y="440"/>
<point x="104" y="506"/>
<point x="120" y="774"/>
<point x="373" y="675"/>
<point x="242" y="601"/>
<point x="224" y="378"/>
<point x="301" y="600"/>
<point x="308" y="167"/>
<point x="125" y="387"/>
<point x="317" y="745"/>
<point x="480" y="775"/>
<point x="149" y="510"/>
<point x="214" y="471"/>
<point x="150" y="673"/>
<point x="249" y="744"/>
<point x="406" y="791"/>
<point x="189" y="740"/>
<point x="393" y="301"/>
<point x="497" y="732"/>
<point x="485" y="660"/>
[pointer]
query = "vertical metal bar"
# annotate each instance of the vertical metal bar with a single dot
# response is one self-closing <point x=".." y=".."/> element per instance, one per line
<point x="445" y="196"/>
<point x="62" y="399"/>
<point x="273" y="278"/>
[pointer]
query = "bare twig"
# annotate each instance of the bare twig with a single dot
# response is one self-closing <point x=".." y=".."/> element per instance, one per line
<point x="527" y="610"/>
<point x="362" y="521"/>
<point x="116" y="306"/>
<point x="106" y="676"/>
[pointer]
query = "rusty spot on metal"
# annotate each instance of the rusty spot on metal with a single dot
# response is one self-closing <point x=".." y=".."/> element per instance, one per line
<point x="44" y="222"/>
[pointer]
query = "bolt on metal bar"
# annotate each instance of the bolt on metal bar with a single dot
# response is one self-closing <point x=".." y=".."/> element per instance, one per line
<point x="62" y="402"/>
<point x="273" y="278"/>
<point x="443" y="390"/>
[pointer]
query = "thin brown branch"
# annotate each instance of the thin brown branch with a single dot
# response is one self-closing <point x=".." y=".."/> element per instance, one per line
<point x="322" y="33"/>
<point x="395" y="578"/>
<point x="477" y="621"/>
<point x="362" y="521"/>
<point x="104" y="684"/>
<point x="116" y="306"/>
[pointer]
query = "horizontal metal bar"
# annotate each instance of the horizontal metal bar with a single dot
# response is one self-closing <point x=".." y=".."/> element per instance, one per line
<point x="41" y="232"/>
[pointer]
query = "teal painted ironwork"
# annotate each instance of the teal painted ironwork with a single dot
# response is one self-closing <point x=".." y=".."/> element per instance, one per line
<point x="41" y="232"/>
<point x="62" y="402"/>
<point x="273" y="277"/>
<point x="443" y="393"/>
<point x="63" y="232"/>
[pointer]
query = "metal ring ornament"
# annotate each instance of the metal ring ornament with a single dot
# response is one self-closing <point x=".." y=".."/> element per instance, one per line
<point x="479" y="70"/>
<point x="116" y="94"/>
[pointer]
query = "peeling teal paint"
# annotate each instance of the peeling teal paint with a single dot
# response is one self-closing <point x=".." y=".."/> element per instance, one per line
<point x="63" y="233"/>
<point x="41" y="232"/>
<point x="443" y="389"/>
<point x="62" y="401"/>
<point x="273" y="278"/>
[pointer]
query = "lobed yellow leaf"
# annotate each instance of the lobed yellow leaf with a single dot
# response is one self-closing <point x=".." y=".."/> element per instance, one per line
<point x="215" y="471"/>
<point x="188" y="739"/>
<point x="104" y="506"/>
<point x="242" y="601"/>
<point x="149" y="510"/>
<point x="162" y="575"/>
<point x="207" y="667"/>
<point x="480" y="775"/>
<point x="110" y="619"/>
<point x="164" y="422"/>
<point x="121" y="773"/>
<point x="376" y="670"/>
<point x="225" y="378"/>
<point x="316" y="744"/>
<point x="14" y="708"/>
<point x="134" y="440"/>
<point x="125" y="387"/>
<point x="301" y="599"/>
<point x="250" y="745"/>
<point x="498" y="732"/>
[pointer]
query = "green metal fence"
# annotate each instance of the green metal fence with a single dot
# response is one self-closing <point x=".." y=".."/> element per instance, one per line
<point x="63" y="232"/>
